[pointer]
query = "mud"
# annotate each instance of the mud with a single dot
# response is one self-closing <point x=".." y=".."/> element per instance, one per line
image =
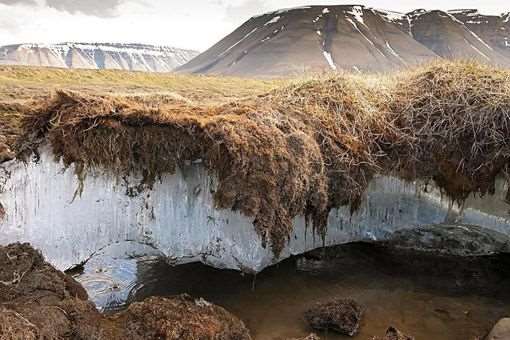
<point x="39" y="302"/>
<point x="423" y="295"/>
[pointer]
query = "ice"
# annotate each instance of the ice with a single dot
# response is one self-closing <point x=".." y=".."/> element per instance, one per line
<point x="177" y="218"/>
<point x="357" y="13"/>
<point x="392" y="16"/>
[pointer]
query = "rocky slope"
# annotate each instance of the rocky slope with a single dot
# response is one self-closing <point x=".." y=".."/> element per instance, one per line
<point x="132" y="57"/>
<point x="494" y="30"/>
<point x="355" y="38"/>
<point x="312" y="39"/>
<point x="460" y="34"/>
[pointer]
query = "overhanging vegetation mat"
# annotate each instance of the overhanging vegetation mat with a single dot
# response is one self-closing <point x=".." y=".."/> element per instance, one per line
<point x="299" y="150"/>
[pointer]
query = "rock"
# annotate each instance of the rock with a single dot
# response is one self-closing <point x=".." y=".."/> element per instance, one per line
<point x="312" y="336"/>
<point x="452" y="239"/>
<point x="501" y="330"/>
<point x="39" y="302"/>
<point x="339" y="315"/>
<point x="394" y="334"/>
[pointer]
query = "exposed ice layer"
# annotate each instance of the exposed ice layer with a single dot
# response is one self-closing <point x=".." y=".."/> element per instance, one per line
<point x="178" y="219"/>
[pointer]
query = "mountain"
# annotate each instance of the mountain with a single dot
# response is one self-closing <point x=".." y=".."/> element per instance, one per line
<point x="132" y="57"/>
<point x="495" y="30"/>
<point x="311" y="39"/>
<point x="355" y="38"/>
<point x="451" y="35"/>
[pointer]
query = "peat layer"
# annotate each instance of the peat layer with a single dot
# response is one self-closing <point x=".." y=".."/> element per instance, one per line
<point x="299" y="150"/>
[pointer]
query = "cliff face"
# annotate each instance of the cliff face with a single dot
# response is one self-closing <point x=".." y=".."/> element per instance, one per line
<point x="132" y="57"/>
<point x="354" y="38"/>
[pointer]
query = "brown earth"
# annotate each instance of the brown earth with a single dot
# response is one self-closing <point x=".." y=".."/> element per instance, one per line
<point x="39" y="302"/>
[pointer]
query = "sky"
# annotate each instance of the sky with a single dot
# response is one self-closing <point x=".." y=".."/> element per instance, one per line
<point x="191" y="24"/>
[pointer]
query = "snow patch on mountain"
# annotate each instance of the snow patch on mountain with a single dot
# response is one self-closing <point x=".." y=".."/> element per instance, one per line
<point x="133" y="57"/>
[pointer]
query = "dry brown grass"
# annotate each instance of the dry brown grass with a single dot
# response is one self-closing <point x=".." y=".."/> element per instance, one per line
<point x="301" y="149"/>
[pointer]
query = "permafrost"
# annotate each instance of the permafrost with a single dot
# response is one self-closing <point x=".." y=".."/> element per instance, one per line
<point x="71" y="220"/>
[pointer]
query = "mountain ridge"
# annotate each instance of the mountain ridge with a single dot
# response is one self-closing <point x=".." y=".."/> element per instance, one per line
<point x="122" y="56"/>
<point x="354" y="38"/>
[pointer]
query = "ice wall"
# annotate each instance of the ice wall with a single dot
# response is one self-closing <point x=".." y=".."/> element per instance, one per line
<point x="177" y="218"/>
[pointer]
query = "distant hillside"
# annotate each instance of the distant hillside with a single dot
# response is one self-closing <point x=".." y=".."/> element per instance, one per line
<point x="356" y="38"/>
<point x="132" y="57"/>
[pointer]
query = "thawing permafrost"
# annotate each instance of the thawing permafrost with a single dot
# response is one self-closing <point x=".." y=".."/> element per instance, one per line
<point x="177" y="217"/>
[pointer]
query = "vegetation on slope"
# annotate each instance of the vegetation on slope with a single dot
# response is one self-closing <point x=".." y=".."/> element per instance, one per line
<point x="301" y="149"/>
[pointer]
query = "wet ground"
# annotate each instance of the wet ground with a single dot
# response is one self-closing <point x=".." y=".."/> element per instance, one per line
<point x="425" y="296"/>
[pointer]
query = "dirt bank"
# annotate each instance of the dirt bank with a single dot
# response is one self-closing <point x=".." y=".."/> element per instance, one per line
<point x="39" y="302"/>
<point x="298" y="150"/>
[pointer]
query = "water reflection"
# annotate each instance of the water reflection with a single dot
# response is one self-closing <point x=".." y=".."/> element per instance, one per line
<point x="425" y="296"/>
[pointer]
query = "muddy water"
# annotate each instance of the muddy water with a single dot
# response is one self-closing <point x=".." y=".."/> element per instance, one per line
<point x="428" y="297"/>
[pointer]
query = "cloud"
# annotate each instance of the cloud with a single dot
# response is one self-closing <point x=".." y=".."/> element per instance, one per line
<point x="99" y="8"/>
<point x="18" y="2"/>
<point x="242" y="10"/>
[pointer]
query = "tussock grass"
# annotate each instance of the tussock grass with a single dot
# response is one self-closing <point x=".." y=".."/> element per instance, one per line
<point x="299" y="149"/>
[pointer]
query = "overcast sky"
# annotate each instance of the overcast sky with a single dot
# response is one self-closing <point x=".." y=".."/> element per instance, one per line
<point x="195" y="24"/>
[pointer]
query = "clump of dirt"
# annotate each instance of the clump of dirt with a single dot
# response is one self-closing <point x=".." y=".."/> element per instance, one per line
<point x="39" y="302"/>
<point x="394" y="334"/>
<point x="339" y="315"/>
<point x="182" y="317"/>
<point x="299" y="150"/>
